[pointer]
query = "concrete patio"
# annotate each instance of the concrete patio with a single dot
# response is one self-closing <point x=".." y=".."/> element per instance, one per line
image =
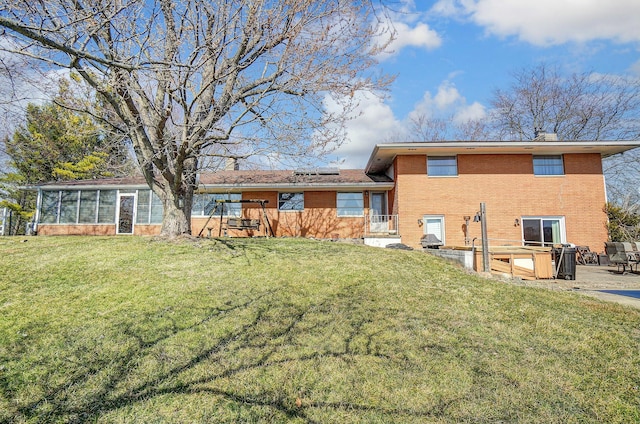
<point x="590" y="279"/>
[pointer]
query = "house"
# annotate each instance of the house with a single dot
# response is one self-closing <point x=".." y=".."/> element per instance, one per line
<point x="537" y="192"/>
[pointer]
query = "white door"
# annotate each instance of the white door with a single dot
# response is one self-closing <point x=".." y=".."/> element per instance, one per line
<point x="433" y="226"/>
<point x="378" y="218"/>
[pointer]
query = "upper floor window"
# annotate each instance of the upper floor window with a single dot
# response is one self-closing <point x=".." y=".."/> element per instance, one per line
<point x="442" y="166"/>
<point x="548" y="165"/>
<point x="290" y="201"/>
<point x="350" y="204"/>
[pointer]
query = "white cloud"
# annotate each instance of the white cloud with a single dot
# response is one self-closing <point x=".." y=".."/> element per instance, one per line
<point x="409" y="31"/>
<point x="447" y="96"/>
<point x="373" y="123"/>
<point x="472" y="112"/>
<point x="418" y="36"/>
<point x="448" y="103"/>
<point x="549" y="22"/>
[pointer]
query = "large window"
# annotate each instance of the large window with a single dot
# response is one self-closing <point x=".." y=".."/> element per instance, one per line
<point x="149" y="208"/>
<point x="442" y="166"/>
<point x="204" y="204"/>
<point x="49" y="207"/>
<point x="433" y="227"/>
<point x="94" y="207"/>
<point x="350" y="204"/>
<point x="543" y="231"/>
<point x="290" y="201"/>
<point x="69" y="207"/>
<point x="106" y="206"/>
<point x="88" y="208"/>
<point x="548" y="165"/>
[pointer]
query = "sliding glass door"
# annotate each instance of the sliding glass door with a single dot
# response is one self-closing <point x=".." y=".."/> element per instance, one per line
<point x="543" y="231"/>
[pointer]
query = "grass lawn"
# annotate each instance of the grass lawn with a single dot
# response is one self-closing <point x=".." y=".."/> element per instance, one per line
<point x="141" y="330"/>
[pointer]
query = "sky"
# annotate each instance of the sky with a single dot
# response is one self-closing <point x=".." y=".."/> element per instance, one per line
<point x="449" y="57"/>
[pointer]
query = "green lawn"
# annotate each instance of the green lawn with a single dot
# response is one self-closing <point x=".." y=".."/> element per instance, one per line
<point x="141" y="330"/>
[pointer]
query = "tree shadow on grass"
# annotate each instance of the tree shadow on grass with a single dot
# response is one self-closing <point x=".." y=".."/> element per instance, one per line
<point x="238" y="352"/>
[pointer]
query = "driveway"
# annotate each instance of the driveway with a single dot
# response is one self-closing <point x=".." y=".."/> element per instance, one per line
<point x="592" y="280"/>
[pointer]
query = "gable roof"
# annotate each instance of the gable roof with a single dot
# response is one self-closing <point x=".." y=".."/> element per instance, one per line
<point x="383" y="155"/>
<point x="344" y="179"/>
<point x="269" y="180"/>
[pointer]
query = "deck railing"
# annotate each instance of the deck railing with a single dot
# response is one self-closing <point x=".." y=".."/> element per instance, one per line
<point x="381" y="225"/>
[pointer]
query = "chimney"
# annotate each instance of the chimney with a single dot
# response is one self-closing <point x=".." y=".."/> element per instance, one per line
<point x="231" y="164"/>
<point x="542" y="135"/>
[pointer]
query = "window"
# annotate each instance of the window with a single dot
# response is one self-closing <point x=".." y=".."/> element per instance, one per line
<point x="204" y="204"/>
<point x="88" y="205"/>
<point x="69" y="207"/>
<point x="149" y="208"/>
<point x="350" y="204"/>
<point x="543" y="231"/>
<point x="290" y="201"/>
<point x="433" y="227"/>
<point x="548" y="165"/>
<point x="156" y="209"/>
<point x="442" y="166"/>
<point x="84" y="207"/>
<point x="49" y="207"/>
<point x="143" y="207"/>
<point x="106" y="206"/>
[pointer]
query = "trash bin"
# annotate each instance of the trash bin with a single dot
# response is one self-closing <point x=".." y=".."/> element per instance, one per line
<point x="565" y="260"/>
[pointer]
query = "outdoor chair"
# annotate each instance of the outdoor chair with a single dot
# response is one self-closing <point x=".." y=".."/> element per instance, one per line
<point x="586" y="256"/>
<point x="617" y="254"/>
<point x="632" y="250"/>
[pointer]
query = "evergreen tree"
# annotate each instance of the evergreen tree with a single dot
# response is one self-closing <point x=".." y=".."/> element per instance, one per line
<point x="54" y="144"/>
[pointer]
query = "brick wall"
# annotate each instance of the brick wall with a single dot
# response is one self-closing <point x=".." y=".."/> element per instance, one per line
<point x="510" y="190"/>
<point x="76" y="230"/>
<point x="93" y="230"/>
<point x="318" y="219"/>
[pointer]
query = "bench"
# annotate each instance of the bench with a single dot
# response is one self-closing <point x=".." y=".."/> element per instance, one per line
<point x="625" y="254"/>
<point x="242" y="224"/>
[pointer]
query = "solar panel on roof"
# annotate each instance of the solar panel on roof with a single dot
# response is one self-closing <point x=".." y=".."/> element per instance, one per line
<point x="317" y="171"/>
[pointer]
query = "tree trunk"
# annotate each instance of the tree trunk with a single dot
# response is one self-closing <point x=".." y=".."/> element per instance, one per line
<point x="176" y="217"/>
<point x="175" y="221"/>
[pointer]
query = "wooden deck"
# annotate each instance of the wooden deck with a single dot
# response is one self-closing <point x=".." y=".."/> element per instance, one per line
<point x="526" y="262"/>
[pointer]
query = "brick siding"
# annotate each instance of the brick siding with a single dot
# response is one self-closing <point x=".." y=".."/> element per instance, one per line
<point x="506" y="184"/>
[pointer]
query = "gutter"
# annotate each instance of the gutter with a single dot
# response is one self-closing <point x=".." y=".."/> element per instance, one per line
<point x="317" y="186"/>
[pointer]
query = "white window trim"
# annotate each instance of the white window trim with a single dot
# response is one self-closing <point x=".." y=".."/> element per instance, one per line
<point x="134" y="215"/>
<point x="443" y="226"/>
<point x="443" y="176"/>
<point x="561" y="219"/>
<point x="547" y="175"/>
<point x="354" y="215"/>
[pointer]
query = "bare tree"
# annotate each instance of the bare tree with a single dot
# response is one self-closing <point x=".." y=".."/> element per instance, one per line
<point x="440" y="129"/>
<point x="426" y="128"/>
<point x="188" y="78"/>
<point x="583" y="106"/>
